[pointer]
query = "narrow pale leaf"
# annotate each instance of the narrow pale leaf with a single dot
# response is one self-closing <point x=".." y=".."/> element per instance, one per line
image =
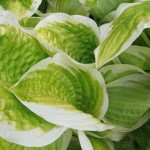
<point x="92" y="143"/>
<point x="84" y="141"/>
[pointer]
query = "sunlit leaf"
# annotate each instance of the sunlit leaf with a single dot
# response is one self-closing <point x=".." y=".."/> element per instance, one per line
<point x="131" y="20"/>
<point x="18" y="51"/>
<point x="65" y="93"/>
<point x="30" y="22"/>
<point x="22" y="8"/>
<point x="78" y="36"/>
<point x="19" y="125"/>
<point x="60" y="144"/>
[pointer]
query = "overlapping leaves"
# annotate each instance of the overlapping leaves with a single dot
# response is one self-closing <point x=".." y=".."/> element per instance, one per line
<point x="18" y="50"/>
<point x="46" y="91"/>
<point x="58" y="88"/>
<point x="19" y="125"/>
<point x="126" y="103"/>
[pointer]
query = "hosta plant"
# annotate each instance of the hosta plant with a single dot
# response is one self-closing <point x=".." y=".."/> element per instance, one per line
<point x="75" y="75"/>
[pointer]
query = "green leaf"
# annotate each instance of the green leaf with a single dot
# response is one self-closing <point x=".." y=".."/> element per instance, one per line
<point x="137" y="140"/>
<point x="93" y="143"/>
<point x="74" y="144"/>
<point x="100" y="8"/>
<point x="88" y="3"/>
<point x="22" y="8"/>
<point x="129" y="96"/>
<point x="109" y="17"/>
<point x="60" y="144"/>
<point x="131" y="20"/>
<point x="18" y="51"/>
<point x="65" y="93"/>
<point x="142" y="40"/>
<point x="76" y="35"/>
<point x="147" y="31"/>
<point x="21" y="126"/>
<point x="30" y="22"/>
<point x="100" y="144"/>
<point x="71" y="7"/>
<point x="142" y="136"/>
<point x="117" y="71"/>
<point x="137" y="56"/>
<point x="126" y="144"/>
<point x="113" y="134"/>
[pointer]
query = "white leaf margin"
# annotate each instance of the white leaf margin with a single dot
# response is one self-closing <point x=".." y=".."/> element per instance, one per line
<point x="30" y="138"/>
<point x="106" y="30"/>
<point x="62" y="18"/>
<point x="67" y="115"/>
<point x="32" y="9"/>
